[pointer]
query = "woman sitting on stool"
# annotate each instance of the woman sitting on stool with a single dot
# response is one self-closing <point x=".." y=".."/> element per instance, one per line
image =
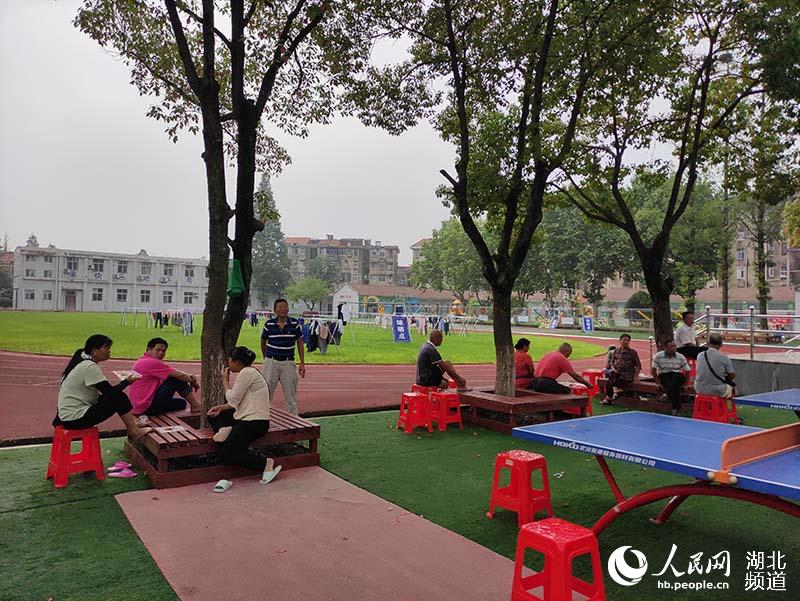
<point x="244" y="418"/>
<point x="86" y="398"/>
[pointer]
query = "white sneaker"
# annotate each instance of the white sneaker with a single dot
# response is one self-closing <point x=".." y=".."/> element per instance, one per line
<point x="222" y="434"/>
<point x="270" y="475"/>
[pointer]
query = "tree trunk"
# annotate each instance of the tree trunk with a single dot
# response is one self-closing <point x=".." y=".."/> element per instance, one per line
<point x="659" y="290"/>
<point x="691" y="301"/>
<point x="761" y="266"/>
<point x="218" y="212"/>
<point x="503" y="342"/>
<point x="725" y="268"/>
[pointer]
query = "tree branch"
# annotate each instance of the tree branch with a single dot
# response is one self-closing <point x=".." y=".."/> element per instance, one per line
<point x="182" y="6"/>
<point x="183" y="48"/>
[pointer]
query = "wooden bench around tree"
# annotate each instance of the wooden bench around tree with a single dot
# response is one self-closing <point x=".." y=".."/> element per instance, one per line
<point x="187" y="454"/>
<point x="630" y="396"/>
<point x="526" y="402"/>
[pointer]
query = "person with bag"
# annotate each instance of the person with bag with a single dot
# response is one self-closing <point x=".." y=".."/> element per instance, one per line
<point x="715" y="375"/>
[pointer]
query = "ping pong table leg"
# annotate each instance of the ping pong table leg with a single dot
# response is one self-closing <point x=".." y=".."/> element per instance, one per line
<point x="610" y="478"/>
<point x="669" y="508"/>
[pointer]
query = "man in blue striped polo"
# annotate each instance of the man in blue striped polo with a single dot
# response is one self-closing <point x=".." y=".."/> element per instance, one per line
<point x="278" y="339"/>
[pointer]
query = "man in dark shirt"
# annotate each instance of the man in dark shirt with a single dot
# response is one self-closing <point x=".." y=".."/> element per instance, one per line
<point x="431" y="367"/>
<point x="278" y="340"/>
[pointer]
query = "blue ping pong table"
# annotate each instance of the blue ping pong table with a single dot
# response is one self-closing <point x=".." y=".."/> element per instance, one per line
<point x="779" y="399"/>
<point x="714" y="454"/>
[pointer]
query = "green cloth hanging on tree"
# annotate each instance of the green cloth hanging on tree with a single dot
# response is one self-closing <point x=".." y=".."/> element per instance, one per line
<point x="235" y="281"/>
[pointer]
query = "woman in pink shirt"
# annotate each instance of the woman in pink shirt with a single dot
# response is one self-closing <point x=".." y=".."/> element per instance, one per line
<point x="154" y="393"/>
<point x="523" y="364"/>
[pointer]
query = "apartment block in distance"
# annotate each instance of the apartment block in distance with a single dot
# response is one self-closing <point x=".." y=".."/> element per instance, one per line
<point x="54" y="279"/>
<point x="359" y="260"/>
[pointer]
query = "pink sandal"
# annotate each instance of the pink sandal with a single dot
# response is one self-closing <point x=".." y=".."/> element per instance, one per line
<point x="124" y="473"/>
<point x="119" y="465"/>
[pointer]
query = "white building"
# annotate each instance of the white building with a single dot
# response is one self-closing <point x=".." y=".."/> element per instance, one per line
<point x="54" y="279"/>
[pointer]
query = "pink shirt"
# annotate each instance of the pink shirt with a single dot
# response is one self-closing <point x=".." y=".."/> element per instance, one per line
<point x="141" y="392"/>
<point x="552" y="365"/>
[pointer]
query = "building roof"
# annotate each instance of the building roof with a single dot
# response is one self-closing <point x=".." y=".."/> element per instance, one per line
<point x="400" y="292"/>
<point x="7" y="258"/>
<point x="298" y="240"/>
<point x="418" y="244"/>
<point x="51" y="250"/>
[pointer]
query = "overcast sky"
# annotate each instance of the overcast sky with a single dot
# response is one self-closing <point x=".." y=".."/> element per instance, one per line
<point x="82" y="167"/>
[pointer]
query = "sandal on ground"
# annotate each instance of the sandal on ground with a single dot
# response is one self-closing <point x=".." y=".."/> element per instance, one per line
<point x="605" y="402"/>
<point x="123" y="473"/>
<point x="463" y="389"/>
<point x="119" y="465"/>
<point x="222" y="485"/>
<point x="270" y="475"/>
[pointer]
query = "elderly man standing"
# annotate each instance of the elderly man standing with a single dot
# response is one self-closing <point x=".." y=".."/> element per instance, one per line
<point x="551" y="366"/>
<point x="278" y="340"/>
<point x="669" y="371"/>
<point x="715" y="375"/>
<point x="431" y="367"/>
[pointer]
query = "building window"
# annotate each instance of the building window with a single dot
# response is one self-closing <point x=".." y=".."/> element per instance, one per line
<point x="187" y="298"/>
<point x="30" y="273"/>
<point x="122" y="295"/>
<point x="49" y="258"/>
<point x="122" y="267"/>
<point x="188" y="271"/>
<point x="783" y="272"/>
<point x="168" y="269"/>
<point x="784" y="248"/>
<point x="147" y="268"/>
<point x="381" y="278"/>
<point x="97" y="294"/>
<point x="30" y="258"/>
<point x="30" y="295"/>
<point x="740" y="254"/>
<point x="48" y="273"/>
<point x="207" y="278"/>
<point x="167" y="297"/>
<point x="770" y="272"/>
<point x="144" y="296"/>
<point x="47" y="295"/>
<point x="740" y="273"/>
<point x="72" y="263"/>
<point x="97" y="264"/>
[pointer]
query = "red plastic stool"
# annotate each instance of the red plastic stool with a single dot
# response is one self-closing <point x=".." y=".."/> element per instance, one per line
<point x="591" y="376"/>
<point x="714" y="409"/>
<point x="426" y="390"/>
<point x="560" y="542"/>
<point x="446" y="409"/>
<point x="415" y="411"/>
<point x="580" y="390"/>
<point x="519" y="495"/>
<point x="63" y="462"/>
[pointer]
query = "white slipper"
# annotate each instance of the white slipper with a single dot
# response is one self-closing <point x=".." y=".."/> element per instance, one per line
<point x="269" y="476"/>
<point x="222" y="485"/>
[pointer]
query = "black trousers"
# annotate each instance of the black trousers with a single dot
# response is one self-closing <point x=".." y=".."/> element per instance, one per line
<point x="163" y="399"/>
<point x="106" y="406"/>
<point x="549" y="385"/>
<point x="616" y="382"/>
<point x="671" y="383"/>
<point x="690" y="351"/>
<point x="236" y="450"/>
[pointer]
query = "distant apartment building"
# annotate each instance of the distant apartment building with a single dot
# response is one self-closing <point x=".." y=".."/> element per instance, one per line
<point x="416" y="248"/>
<point x="7" y="263"/>
<point x="54" y="279"/>
<point x="358" y="260"/>
<point x="403" y="277"/>
<point x="784" y="272"/>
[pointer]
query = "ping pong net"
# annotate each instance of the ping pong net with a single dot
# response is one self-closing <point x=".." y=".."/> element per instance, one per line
<point x="754" y="447"/>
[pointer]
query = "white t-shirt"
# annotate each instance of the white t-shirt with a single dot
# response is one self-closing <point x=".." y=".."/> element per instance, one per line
<point x="249" y="395"/>
<point x="684" y="336"/>
<point x="77" y="392"/>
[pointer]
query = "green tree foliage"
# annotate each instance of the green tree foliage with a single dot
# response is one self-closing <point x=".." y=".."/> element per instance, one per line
<point x="309" y="290"/>
<point x="222" y="69"/>
<point x="270" y="256"/>
<point x="507" y="84"/>
<point x="712" y="57"/>
<point x="324" y="268"/>
<point x="791" y="222"/>
<point x="639" y="300"/>
<point x="449" y="262"/>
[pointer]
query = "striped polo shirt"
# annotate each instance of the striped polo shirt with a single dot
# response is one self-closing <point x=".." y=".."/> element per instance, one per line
<point x="280" y="342"/>
<point x="670" y="365"/>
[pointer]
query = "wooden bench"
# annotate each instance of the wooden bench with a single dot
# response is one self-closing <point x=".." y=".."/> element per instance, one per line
<point x="525" y="402"/>
<point x="758" y="338"/>
<point x="164" y="455"/>
<point x="629" y="395"/>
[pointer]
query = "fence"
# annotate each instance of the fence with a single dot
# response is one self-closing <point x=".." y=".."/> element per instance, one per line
<point x="757" y="330"/>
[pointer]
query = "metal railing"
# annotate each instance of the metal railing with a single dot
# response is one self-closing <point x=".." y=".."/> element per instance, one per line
<point x="757" y="330"/>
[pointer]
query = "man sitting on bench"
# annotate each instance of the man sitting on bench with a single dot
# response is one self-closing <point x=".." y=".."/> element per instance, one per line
<point x="685" y="338"/>
<point x="153" y="393"/>
<point x="551" y="366"/>
<point x="431" y="367"/>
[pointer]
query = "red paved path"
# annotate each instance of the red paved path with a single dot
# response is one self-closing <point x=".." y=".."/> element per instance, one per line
<point x="29" y="387"/>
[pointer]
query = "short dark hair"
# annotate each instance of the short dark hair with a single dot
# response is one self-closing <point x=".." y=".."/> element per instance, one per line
<point x="243" y="355"/>
<point x="154" y="341"/>
<point x="685" y="313"/>
<point x="522" y="343"/>
<point x="621" y="336"/>
<point x="279" y="300"/>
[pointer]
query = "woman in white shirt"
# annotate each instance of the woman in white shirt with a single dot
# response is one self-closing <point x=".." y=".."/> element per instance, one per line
<point x="244" y="417"/>
<point x="86" y="398"/>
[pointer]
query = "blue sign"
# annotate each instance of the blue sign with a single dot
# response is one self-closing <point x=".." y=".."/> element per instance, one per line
<point x="400" y="330"/>
<point x="588" y="324"/>
<point x="554" y="320"/>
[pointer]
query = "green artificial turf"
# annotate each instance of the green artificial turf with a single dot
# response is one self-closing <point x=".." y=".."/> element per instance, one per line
<point x="73" y="543"/>
<point x="446" y="477"/>
<point x="62" y="333"/>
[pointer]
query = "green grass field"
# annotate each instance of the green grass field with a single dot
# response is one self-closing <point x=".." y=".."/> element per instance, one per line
<point x="75" y="543"/>
<point x="62" y="333"/>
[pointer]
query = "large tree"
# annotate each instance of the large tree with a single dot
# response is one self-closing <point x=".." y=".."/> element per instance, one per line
<point x="324" y="268"/>
<point x="517" y="78"/>
<point x="308" y="290"/>
<point x="448" y="262"/>
<point x="226" y="68"/>
<point x="714" y="59"/>
<point x="271" y="262"/>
